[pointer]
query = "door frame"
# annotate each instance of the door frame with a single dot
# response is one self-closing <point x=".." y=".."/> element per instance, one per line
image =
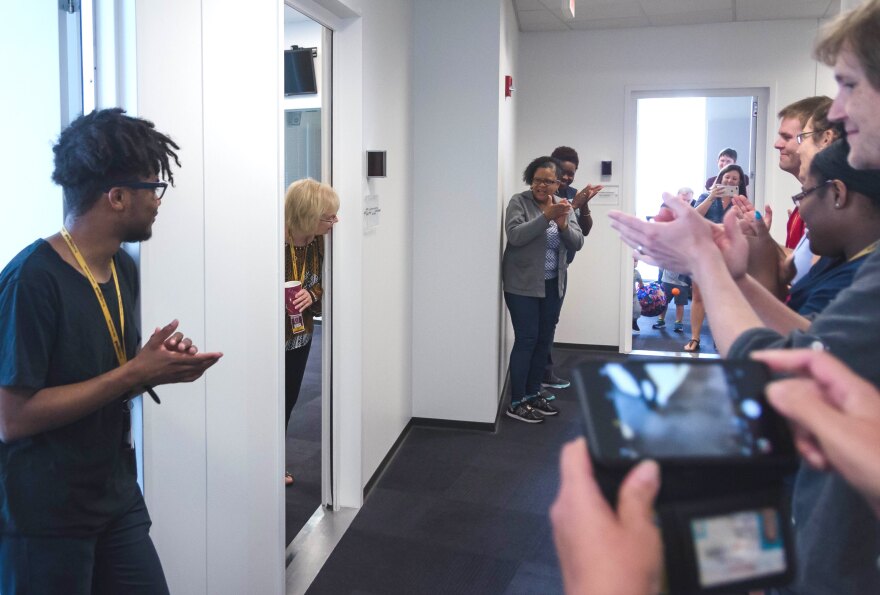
<point x="341" y="374"/>
<point x="766" y="96"/>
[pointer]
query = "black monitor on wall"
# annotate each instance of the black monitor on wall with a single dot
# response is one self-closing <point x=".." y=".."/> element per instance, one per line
<point x="299" y="72"/>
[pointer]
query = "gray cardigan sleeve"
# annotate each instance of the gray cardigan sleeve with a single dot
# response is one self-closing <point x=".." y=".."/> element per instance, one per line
<point x="572" y="236"/>
<point x="520" y="230"/>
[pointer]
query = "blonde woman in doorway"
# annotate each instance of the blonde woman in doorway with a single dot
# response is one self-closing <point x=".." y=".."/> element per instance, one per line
<point x="310" y="209"/>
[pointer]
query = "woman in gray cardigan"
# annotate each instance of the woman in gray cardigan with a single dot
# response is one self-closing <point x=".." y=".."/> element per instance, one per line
<point x="542" y="237"/>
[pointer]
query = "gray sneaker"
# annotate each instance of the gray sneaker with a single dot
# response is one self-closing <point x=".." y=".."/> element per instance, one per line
<point x="551" y="380"/>
<point x="542" y="407"/>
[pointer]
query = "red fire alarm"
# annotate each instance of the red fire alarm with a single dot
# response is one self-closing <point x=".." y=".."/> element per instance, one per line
<point x="508" y="85"/>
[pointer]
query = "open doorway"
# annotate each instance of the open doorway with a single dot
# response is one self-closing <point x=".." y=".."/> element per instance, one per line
<point x="679" y="137"/>
<point x="307" y="155"/>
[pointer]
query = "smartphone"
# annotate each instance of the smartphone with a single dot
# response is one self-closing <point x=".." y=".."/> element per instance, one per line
<point x="730" y="191"/>
<point x="723" y="454"/>
<point x="680" y="411"/>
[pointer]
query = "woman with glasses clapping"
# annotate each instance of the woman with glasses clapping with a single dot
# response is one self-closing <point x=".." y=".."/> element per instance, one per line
<point x="542" y="231"/>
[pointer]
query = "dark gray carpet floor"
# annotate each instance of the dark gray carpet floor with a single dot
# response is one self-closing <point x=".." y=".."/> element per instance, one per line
<point x="462" y="511"/>
<point x="303" y="446"/>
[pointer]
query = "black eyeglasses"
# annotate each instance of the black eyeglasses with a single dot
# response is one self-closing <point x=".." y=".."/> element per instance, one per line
<point x="544" y="182"/>
<point x="797" y="198"/>
<point x="157" y="187"/>
<point x="800" y="137"/>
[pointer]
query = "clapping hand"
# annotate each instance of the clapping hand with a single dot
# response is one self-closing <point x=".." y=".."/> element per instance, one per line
<point x="168" y="357"/>
<point x="558" y="212"/>
<point x="585" y="195"/>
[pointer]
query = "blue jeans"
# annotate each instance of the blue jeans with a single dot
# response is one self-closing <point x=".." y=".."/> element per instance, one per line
<point x="534" y="324"/>
<point x="122" y="559"/>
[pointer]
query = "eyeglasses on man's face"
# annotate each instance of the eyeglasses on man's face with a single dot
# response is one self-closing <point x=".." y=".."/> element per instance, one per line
<point x="800" y="137"/>
<point x="797" y="198"/>
<point x="157" y="187"/>
<point x="544" y="182"/>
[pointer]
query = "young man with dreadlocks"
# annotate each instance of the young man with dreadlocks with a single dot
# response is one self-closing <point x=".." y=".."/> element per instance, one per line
<point x="72" y="517"/>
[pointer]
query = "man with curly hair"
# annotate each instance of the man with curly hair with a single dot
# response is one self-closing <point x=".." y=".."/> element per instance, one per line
<point x="72" y="517"/>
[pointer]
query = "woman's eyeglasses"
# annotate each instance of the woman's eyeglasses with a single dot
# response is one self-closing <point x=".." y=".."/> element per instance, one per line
<point x="797" y="198"/>
<point x="544" y="182"/>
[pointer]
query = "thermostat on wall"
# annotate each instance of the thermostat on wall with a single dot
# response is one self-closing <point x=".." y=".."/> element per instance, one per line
<point x="375" y="164"/>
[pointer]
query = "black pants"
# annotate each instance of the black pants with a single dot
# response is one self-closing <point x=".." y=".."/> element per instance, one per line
<point x="294" y="369"/>
<point x="121" y="559"/>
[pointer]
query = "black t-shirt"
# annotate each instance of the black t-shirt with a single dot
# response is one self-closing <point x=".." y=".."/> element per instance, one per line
<point x="75" y="479"/>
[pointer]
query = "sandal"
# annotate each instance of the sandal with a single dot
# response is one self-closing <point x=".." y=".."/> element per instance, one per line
<point x="288" y="478"/>
<point x="692" y="345"/>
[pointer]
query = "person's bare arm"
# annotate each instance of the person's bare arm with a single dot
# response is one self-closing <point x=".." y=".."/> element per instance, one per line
<point x="166" y="358"/>
<point x="774" y="314"/>
<point x="703" y="207"/>
<point x="727" y="308"/>
<point x="680" y="240"/>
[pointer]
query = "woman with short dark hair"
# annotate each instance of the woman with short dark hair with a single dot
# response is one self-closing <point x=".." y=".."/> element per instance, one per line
<point x="541" y="232"/>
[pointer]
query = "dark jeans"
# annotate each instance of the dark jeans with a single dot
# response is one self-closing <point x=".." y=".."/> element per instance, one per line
<point x="294" y="369"/>
<point x="534" y="323"/>
<point x="548" y="369"/>
<point x="121" y="559"/>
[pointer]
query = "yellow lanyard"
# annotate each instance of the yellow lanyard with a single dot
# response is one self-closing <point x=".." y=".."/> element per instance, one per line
<point x="117" y="344"/>
<point x="865" y="251"/>
<point x="300" y="276"/>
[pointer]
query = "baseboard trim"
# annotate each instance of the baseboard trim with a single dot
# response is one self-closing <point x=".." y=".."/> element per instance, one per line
<point x="427" y="422"/>
<point x="582" y="347"/>
<point x="390" y="455"/>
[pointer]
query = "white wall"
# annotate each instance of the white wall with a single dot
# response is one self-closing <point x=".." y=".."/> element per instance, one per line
<point x="213" y="449"/>
<point x="728" y="124"/>
<point x="509" y="170"/>
<point x="587" y="99"/>
<point x="456" y="222"/>
<point x="387" y="256"/>
<point x="30" y="117"/>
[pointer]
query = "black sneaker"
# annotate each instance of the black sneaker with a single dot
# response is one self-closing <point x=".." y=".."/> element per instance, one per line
<point x="659" y="324"/>
<point x="523" y="412"/>
<point x="636" y="329"/>
<point x="551" y="380"/>
<point x="542" y="407"/>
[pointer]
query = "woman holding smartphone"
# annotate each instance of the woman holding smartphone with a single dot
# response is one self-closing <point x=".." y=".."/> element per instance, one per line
<point x="713" y="205"/>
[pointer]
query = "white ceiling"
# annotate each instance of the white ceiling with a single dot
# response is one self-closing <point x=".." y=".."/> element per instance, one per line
<point x="547" y="15"/>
